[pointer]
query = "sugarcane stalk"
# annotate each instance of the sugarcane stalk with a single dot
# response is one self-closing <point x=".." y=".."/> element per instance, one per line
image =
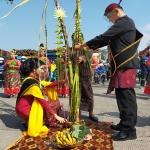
<point x="58" y="72"/>
<point x="65" y="35"/>
<point x="76" y="86"/>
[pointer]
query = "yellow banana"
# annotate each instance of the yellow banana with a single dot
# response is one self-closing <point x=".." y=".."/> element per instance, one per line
<point x="58" y="140"/>
<point x="73" y="140"/>
<point x="69" y="137"/>
<point x="64" y="142"/>
<point x="66" y="139"/>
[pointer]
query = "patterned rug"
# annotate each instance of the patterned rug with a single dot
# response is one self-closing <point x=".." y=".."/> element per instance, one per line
<point x="101" y="140"/>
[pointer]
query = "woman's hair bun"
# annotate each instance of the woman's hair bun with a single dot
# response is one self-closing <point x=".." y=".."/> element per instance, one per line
<point x="41" y="45"/>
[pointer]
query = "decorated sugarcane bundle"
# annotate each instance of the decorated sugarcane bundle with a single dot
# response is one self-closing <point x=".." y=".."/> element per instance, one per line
<point x="74" y="73"/>
<point x="74" y="94"/>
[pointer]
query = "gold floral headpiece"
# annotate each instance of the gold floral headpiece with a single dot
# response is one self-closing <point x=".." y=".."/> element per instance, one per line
<point x="41" y="47"/>
<point x="13" y="51"/>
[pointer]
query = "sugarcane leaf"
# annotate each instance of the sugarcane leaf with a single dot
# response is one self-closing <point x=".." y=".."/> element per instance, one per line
<point x="58" y="31"/>
<point x="59" y="25"/>
<point x="58" y="53"/>
<point x="59" y="37"/>
<point x="59" y="42"/>
<point x="58" y="48"/>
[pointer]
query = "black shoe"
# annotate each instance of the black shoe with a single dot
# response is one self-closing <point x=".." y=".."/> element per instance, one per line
<point x="93" y="118"/>
<point x="117" y="127"/>
<point x="124" y="135"/>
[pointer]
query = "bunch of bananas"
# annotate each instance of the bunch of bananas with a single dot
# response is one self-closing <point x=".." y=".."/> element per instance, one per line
<point x="65" y="138"/>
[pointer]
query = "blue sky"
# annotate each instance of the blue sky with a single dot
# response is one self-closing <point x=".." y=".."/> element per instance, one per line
<point x="21" y="28"/>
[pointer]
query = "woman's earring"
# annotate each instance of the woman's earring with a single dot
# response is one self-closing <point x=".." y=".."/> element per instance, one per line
<point x="34" y="73"/>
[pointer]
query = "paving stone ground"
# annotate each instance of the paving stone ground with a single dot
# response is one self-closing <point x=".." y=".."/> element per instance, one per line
<point x="105" y="109"/>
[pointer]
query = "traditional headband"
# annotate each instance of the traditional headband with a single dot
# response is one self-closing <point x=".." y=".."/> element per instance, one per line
<point x="111" y="7"/>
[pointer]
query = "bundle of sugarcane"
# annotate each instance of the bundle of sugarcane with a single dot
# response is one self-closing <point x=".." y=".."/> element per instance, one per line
<point x="74" y="78"/>
<point x="74" y="95"/>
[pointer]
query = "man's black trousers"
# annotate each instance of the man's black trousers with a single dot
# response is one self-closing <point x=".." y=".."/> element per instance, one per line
<point x="126" y="100"/>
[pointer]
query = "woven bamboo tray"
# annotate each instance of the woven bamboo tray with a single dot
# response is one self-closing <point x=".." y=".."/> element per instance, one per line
<point x="54" y="142"/>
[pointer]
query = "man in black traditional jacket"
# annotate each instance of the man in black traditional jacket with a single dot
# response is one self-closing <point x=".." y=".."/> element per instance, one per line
<point x="123" y="39"/>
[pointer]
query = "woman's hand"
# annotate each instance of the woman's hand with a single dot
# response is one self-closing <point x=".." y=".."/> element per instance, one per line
<point x="8" y="64"/>
<point x="79" y="59"/>
<point x="11" y="66"/>
<point x="45" y="66"/>
<point x="60" y="119"/>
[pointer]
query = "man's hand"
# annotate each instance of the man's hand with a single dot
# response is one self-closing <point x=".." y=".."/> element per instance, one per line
<point x="78" y="46"/>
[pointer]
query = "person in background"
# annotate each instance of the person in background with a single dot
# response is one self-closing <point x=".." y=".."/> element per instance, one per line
<point x="43" y="58"/>
<point x="23" y="58"/>
<point x="139" y="75"/>
<point x="147" y="87"/>
<point x="94" y="65"/>
<point x="63" y="89"/>
<point x="123" y="39"/>
<point x="2" y="71"/>
<point x="52" y="70"/>
<point x="107" y="67"/>
<point x="144" y="70"/>
<point x="100" y="62"/>
<point x="12" y="78"/>
<point x="100" y="74"/>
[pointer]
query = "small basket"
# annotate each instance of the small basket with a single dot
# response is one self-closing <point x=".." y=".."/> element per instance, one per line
<point x="53" y="140"/>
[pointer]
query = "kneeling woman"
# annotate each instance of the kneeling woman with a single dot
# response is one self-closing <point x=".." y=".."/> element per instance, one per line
<point x="31" y="105"/>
